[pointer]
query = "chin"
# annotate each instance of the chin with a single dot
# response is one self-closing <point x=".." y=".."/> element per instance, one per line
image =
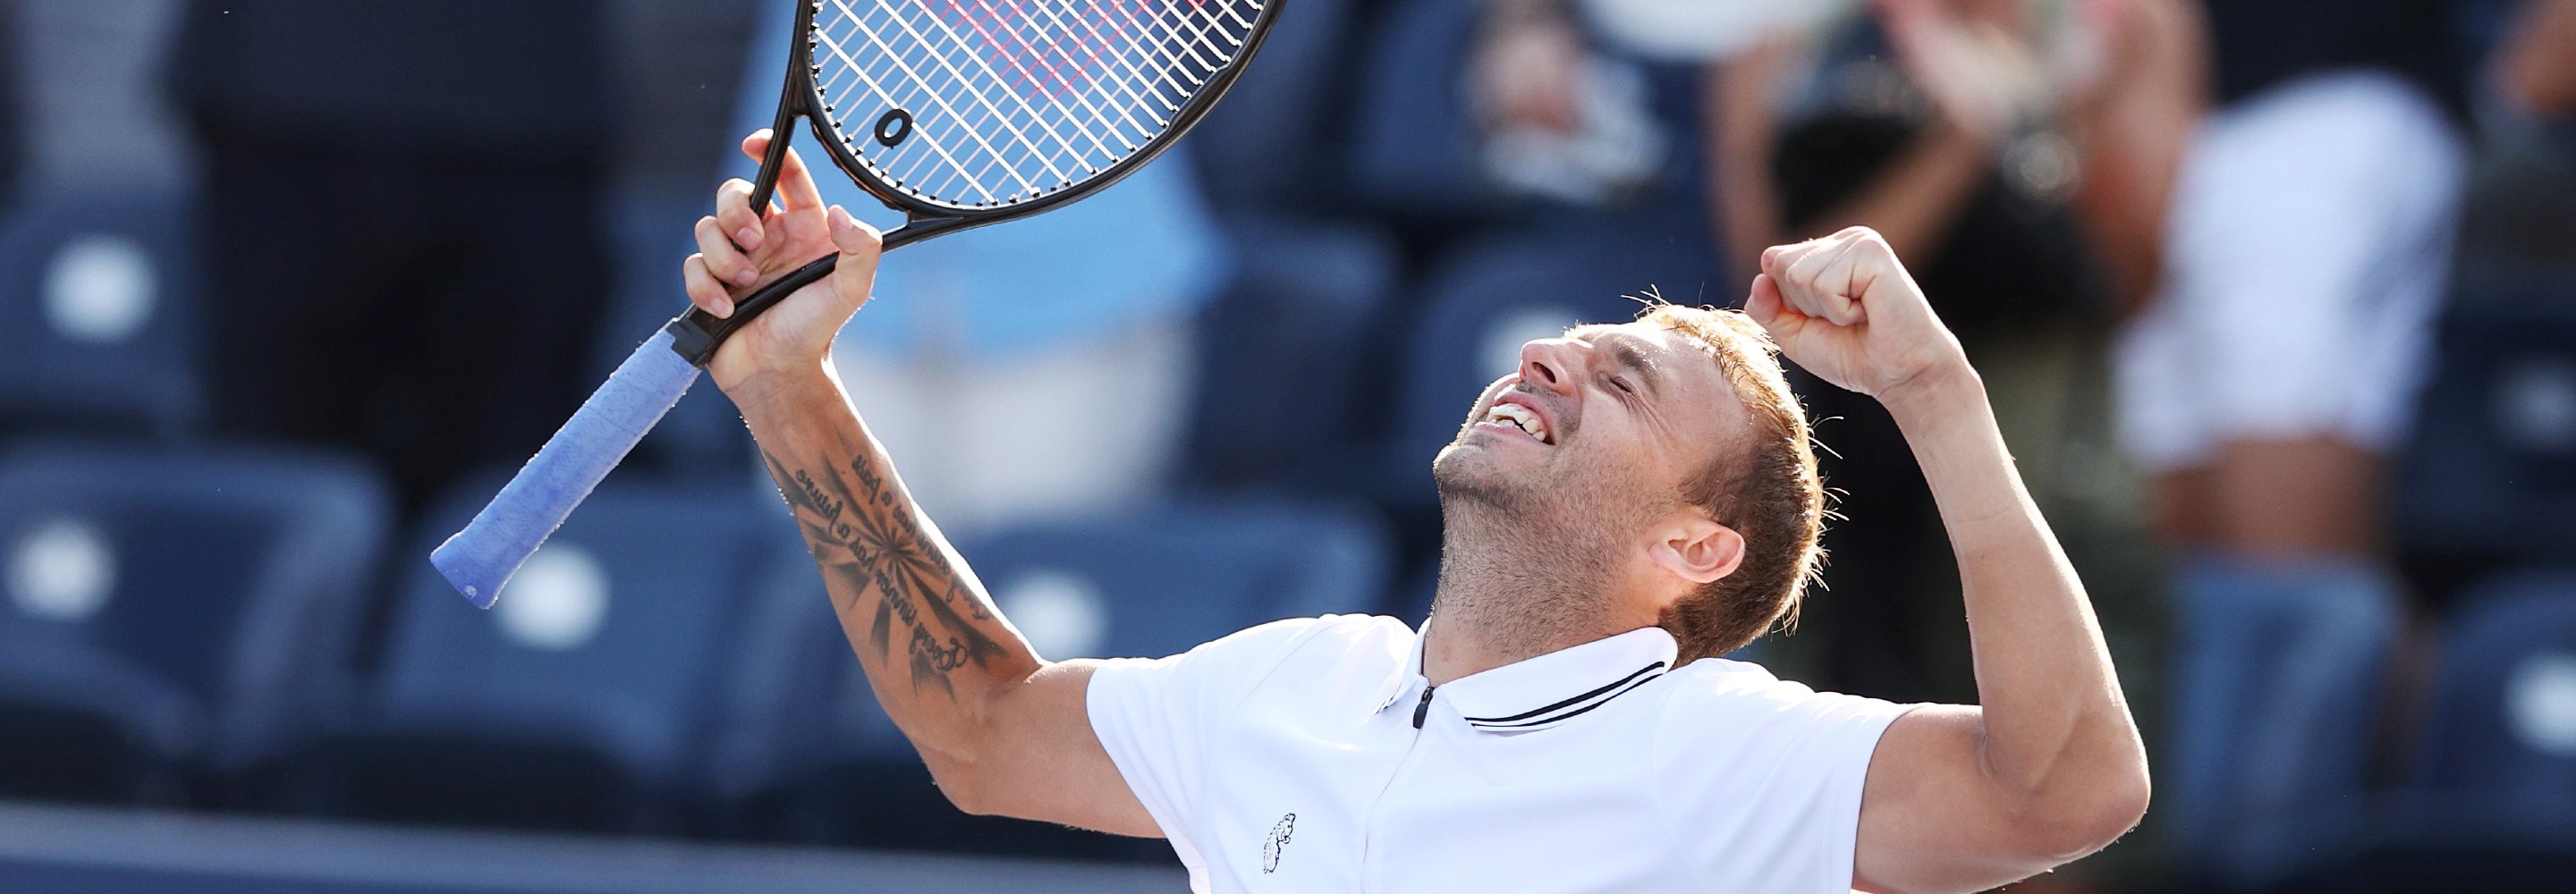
<point x="1471" y="472"/>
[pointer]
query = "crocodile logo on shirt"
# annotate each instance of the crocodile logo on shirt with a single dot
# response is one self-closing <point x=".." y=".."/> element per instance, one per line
<point x="1279" y="835"/>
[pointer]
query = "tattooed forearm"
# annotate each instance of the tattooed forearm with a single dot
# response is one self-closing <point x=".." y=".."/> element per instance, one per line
<point x="868" y="539"/>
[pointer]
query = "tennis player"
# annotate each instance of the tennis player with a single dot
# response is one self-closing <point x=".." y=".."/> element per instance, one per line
<point x="1634" y="502"/>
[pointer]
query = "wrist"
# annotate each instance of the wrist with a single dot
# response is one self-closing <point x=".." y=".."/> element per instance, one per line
<point x="1940" y="392"/>
<point x="765" y="384"/>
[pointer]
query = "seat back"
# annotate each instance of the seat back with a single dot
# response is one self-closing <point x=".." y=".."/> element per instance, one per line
<point x="2491" y="472"/>
<point x="604" y="642"/>
<point x="204" y="598"/>
<point x="2279" y="672"/>
<point x="2501" y="734"/>
<point x="103" y="289"/>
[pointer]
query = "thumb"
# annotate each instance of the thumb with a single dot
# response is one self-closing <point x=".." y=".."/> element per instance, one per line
<point x="854" y="276"/>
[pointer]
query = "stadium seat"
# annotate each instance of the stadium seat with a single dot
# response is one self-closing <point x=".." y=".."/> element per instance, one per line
<point x="190" y="607"/>
<point x="1156" y="583"/>
<point x="95" y="257"/>
<point x="1412" y="148"/>
<point x="2279" y="669"/>
<point x="2500" y="741"/>
<point x="1299" y="327"/>
<point x="578" y="699"/>
<point x="104" y="292"/>
<point x="2490" y="475"/>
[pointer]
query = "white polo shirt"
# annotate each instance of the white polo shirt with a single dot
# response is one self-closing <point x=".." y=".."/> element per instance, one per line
<point x="1312" y="755"/>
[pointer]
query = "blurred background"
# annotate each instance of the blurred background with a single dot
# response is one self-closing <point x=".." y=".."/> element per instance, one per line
<point x="2276" y="300"/>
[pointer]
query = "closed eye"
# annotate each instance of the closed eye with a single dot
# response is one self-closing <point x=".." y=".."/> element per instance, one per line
<point x="1622" y="385"/>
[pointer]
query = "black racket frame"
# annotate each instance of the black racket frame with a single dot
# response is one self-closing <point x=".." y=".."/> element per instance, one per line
<point x="696" y="334"/>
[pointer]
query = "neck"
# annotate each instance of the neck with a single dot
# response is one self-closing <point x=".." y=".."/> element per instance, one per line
<point x="1511" y="592"/>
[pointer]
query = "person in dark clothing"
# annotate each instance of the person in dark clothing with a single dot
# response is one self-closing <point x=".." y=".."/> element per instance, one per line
<point x="362" y="293"/>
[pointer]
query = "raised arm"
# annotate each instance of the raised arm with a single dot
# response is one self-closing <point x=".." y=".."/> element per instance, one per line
<point x="2049" y="767"/>
<point x="1002" y="730"/>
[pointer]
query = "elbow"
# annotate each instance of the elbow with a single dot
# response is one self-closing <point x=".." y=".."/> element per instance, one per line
<point x="959" y="780"/>
<point x="2074" y="824"/>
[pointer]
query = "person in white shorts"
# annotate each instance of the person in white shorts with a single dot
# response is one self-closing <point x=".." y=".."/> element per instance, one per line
<point x="2306" y="251"/>
<point x="2264" y="385"/>
<point x="1633" y="502"/>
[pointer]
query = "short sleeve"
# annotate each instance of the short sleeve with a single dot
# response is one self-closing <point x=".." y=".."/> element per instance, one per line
<point x="1761" y="778"/>
<point x="1153" y="716"/>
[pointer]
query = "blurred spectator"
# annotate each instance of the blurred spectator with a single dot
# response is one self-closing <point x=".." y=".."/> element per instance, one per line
<point x="2536" y="68"/>
<point x="2307" y="248"/>
<point x="362" y="291"/>
<point x="1032" y="371"/>
<point x="2020" y="152"/>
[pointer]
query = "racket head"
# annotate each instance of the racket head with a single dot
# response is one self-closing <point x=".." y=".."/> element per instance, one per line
<point x="961" y="113"/>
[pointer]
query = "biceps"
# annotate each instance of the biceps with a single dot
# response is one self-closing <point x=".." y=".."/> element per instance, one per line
<point x="1929" y="818"/>
<point x="1043" y="762"/>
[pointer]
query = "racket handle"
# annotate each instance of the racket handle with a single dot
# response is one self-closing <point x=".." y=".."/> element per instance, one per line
<point x="479" y="559"/>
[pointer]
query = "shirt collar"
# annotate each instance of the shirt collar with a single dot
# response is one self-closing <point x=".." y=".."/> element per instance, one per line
<point x="1539" y="692"/>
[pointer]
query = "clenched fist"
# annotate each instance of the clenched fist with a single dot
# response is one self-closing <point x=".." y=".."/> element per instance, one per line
<point x="1846" y="310"/>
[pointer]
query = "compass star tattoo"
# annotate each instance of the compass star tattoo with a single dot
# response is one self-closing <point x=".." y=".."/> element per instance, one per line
<point x="870" y="538"/>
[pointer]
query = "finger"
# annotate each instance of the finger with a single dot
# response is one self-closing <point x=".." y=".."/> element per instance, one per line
<point x="854" y="276"/>
<point x="720" y="256"/>
<point x="703" y="289"/>
<point x="733" y="211"/>
<point x="1802" y="283"/>
<point x="1840" y="285"/>
<point x="796" y="190"/>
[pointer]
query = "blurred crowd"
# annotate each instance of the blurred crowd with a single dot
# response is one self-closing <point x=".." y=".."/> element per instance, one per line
<point x="2276" y="300"/>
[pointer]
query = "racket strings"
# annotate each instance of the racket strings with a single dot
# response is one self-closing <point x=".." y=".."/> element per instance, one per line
<point x="986" y="103"/>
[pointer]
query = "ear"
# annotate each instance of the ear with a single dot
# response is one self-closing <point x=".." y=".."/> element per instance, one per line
<point x="1696" y="548"/>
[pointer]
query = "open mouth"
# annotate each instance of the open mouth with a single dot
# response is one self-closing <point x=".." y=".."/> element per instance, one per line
<point x="1518" y="418"/>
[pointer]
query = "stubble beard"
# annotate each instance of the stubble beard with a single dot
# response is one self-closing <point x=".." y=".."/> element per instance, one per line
<point x="1523" y="559"/>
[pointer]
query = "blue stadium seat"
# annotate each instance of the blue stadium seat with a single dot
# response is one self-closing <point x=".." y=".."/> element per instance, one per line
<point x="1156" y="583"/>
<point x="2490" y="475"/>
<point x="2498" y="753"/>
<point x="1299" y="327"/>
<point x="102" y="293"/>
<point x="1413" y="147"/>
<point x="2279" y="670"/>
<point x="197" y="605"/>
<point x="578" y="700"/>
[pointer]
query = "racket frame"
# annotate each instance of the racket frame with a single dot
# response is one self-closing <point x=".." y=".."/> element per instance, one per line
<point x="697" y="333"/>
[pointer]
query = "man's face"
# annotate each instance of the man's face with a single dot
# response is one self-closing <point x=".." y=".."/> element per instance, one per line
<point x="1599" y="428"/>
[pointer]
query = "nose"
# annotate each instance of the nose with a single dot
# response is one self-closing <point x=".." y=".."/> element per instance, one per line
<point x="1555" y="364"/>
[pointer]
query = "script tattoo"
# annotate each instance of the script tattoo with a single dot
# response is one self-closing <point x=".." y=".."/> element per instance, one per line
<point x="870" y="539"/>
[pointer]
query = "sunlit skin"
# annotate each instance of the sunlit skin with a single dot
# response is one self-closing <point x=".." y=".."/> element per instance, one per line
<point x="1546" y="545"/>
<point x="1550" y="545"/>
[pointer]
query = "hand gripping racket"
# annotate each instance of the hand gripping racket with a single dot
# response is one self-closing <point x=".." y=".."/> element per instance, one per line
<point x="958" y="113"/>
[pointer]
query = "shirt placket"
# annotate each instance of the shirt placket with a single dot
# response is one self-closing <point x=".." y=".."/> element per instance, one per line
<point x="1372" y="847"/>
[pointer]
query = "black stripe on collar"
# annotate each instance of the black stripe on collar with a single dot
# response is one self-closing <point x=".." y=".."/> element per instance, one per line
<point x="1622" y="684"/>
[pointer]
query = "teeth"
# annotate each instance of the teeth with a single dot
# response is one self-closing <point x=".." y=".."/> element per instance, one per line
<point x="1519" y="417"/>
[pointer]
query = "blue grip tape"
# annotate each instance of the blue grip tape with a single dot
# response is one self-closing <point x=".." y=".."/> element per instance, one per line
<point x="479" y="559"/>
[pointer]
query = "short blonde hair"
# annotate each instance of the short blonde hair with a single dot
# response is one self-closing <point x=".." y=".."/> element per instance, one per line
<point x="1766" y="489"/>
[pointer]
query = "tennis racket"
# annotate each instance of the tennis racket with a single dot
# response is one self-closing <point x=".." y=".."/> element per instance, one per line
<point x="958" y="113"/>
